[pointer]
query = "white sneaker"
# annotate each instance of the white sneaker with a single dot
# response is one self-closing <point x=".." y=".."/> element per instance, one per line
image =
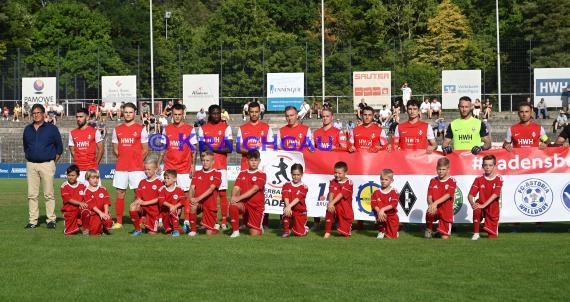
<point x="192" y="234"/>
<point x="475" y="236"/>
<point x="380" y="235"/>
<point x="235" y="234"/>
<point x="217" y="226"/>
<point x="224" y="226"/>
<point x="427" y="234"/>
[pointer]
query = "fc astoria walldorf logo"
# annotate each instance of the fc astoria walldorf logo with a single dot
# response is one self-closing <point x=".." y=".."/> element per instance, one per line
<point x="533" y="197"/>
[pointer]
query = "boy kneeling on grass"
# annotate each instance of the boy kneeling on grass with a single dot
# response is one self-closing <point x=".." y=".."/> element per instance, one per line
<point x="74" y="207"/>
<point x="441" y="192"/>
<point x="384" y="203"/>
<point x="146" y="200"/>
<point x="98" y="202"/>
<point x="339" y="208"/>
<point x="172" y="199"/>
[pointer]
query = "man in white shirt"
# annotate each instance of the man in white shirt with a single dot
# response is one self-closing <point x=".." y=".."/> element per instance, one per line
<point x="425" y="108"/>
<point x="305" y="108"/>
<point x="406" y="92"/>
<point x="435" y="108"/>
<point x="385" y="115"/>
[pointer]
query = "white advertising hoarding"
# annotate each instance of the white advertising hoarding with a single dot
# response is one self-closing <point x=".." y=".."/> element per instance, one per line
<point x="458" y="83"/>
<point x="116" y="89"/>
<point x="375" y="87"/>
<point x="285" y="89"/>
<point x="200" y="91"/>
<point x="39" y="90"/>
<point x="552" y="84"/>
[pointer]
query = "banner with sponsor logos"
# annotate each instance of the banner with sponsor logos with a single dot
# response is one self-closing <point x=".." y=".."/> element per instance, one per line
<point x="285" y="89"/>
<point x="200" y="91"/>
<point x="458" y="83"/>
<point x="536" y="183"/>
<point x="374" y="87"/>
<point x="117" y="89"/>
<point x="39" y="90"/>
<point x="552" y="84"/>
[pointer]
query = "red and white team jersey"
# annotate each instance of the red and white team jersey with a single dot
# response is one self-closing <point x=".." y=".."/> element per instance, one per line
<point x="436" y="189"/>
<point x="246" y="180"/>
<point x="325" y="138"/>
<point x="293" y="191"/>
<point x="523" y="136"/>
<point x="381" y="199"/>
<point x="71" y="192"/>
<point x="345" y="188"/>
<point x="486" y="187"/>
<point x="130" y="140"/>
<point x="97" y="198"/>
<point x="201" y="181"/>
<point x="214" y="137"/>
<point x="251" y="137"/>
<point x="364" y="137"/>
<point x="413" y="136"/>
<point x="293" y="138"/>
<point x="148" y="190"/>
<point x="179" y="154"/>
<point x="173" y="196"/>
<point x="84" y="143"/>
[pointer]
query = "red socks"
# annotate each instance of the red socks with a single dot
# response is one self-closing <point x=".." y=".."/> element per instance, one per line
<point x="136" y="219"/>
<point x="224" y="206"/>
<point x="234" y="217"/>
<point x="120" y="209"/>
<point x="193" y="218"/>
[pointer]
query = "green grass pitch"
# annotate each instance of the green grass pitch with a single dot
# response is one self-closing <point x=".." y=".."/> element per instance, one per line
<point x="45" y="265"/>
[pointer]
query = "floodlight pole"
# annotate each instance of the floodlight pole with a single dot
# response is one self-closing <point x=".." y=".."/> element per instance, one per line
<point x="498" y="57"/>
<point x="323" y="49"/>
<point x="151" y="64"/>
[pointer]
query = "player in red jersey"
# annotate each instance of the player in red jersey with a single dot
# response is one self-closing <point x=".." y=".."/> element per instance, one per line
<point x="328" y="138"/>
<point x="440" y="196"/>
<point x="74" y="207"/>
<point x="204" y="196"/>
<point x="217" y="137"/>
<point x="339" y="208"/>
<point x="488" y="189"/>
<point x="85" y="145"/>
<point x="525" y="133"/>
<point x="181" y="141"/>
<point x="98" y="202"/>
<point x="253" y="134"/>
<point x="384" y="203"/>
<point x="248" y="197"/>
<point x="294" y="136"/>
<point x="368" y="135"/>
<point x="130" y="146"/>
<point x="146" y="200"/>
<point x="294" y="193"/>
<point x="172" y="200"/>
<point x="414" y="134"/>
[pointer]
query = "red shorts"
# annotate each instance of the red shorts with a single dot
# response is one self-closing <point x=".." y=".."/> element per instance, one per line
<point x="151" y="214"/>
<point x="299" y="227"/>
<point x="70" y="217"/>
<point x="390" y="227"/>
<point x="96" y="224"/>
<point x="254" y="217"/>
<point x="444" y="226"/>
<point x="209" y="217"/>
<point x="170" y="221"/>
<point x="343" y="219"/>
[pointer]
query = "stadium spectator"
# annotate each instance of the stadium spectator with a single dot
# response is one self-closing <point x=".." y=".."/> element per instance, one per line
<point x="85" y="145"/>
<point x="304" y="110"/>
<point x="145" y="110"/>
<point x="337" y="123"/>
<point x="262" y="110"/>
<point x="466" y="132"/>
<point x="168" y="109"/>
<point x="244" y="111"/>
<point x="530" y="101"/>
<point x="384" y="116"/>
<point x="178" y="155"/>
<point x="406" y="92"/>
<point x="107" y="109"/>
<point x="396" y="110"/>
<point x="425" y="108"/>
<point x="541" y="109"/>
<point x="26" y="111"/>
<point x="414" y="134"/>
<point x="440" y="127"/>
<point x="118" y="109"/>
<point x="359" y="109"/>
<point x="43" y="148"/>
<point x="316" y="109"/>
<point x="560" y="122"/>
<point x="59" y="110"/>
<point x="488" y="109"/>
<point x="51" y="113"/>
<point x="93" y="110"/>
<point x="225" y="116"/>
<point x="130" y="145"/>
<point x="200" y="118"/>
<point x="217" y="137"/>
<point x="477" y="108"/>
<point x="17" y="113"/>
<point x="162" y="122"/>
<point x="435" y="108"/>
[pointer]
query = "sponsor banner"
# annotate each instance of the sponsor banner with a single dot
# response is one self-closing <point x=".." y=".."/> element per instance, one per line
<point x="552" y="84"/>
<point x="116" y="89"/>
<point x="372" y="86"/>
<point x="200" y="91"/>
<point x="535" y="187"/>
<point x="285" y="89"/>
<point x="458" y="83"/>
<point x="39" y="90"/>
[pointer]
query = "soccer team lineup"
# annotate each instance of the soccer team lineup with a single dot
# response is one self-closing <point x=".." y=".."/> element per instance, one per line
<point x="172" y="197"/>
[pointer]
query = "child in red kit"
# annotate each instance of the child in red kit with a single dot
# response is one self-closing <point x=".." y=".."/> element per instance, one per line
<point x="146" y="202"/>
<point x="203" y="196"/>
<point x="294" y="193"/>
<point x="339" y="208"/>
<point x="486" y="207"/>
<point x="384" y="203"/>
<point x="98" y="202"/>
<point x="441" y="192"/>
<point x="248" y="197"/>
<point x="171" y="199"/>
<point x="74" y="207"/>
